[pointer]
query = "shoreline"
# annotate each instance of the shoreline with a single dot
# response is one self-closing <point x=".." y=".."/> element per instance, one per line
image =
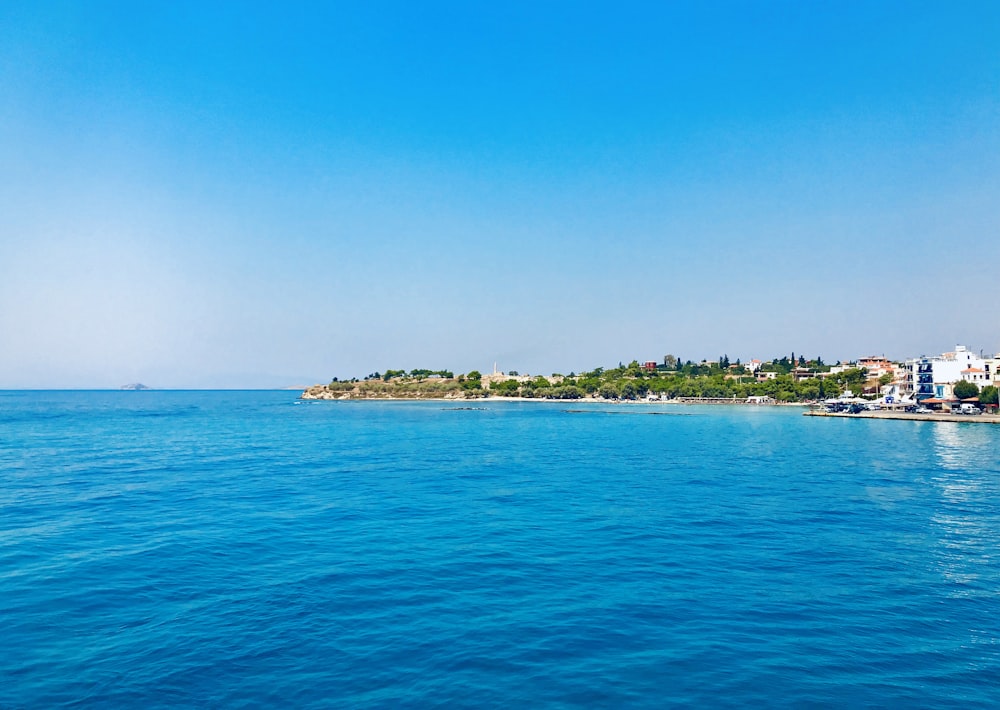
<point x="582" y="400"/>
<point x="879" y="414"/>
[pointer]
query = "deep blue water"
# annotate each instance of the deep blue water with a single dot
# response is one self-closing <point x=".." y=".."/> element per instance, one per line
<point x="233" y="549"/>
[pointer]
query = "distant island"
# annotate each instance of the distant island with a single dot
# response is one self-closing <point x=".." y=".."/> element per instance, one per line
<point x="134" y="386"/>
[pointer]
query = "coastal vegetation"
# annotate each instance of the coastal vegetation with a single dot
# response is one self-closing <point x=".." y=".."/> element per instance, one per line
<point x="783" y="380"/>
<point x="397" y="388"/>
<point x="970" y="390"/>
<point x="965" y="390"/>
<point x="689" y="380"/>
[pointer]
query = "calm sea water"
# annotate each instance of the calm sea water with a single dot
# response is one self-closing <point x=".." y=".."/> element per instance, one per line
<point x="232" y="549"/>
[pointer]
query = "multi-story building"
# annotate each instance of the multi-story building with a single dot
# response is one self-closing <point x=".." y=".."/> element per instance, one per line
<point x="987" y="374"/>
<point x="877" y="366"/>
<point x="933" y="377"/>
<point x="993" y="370"/>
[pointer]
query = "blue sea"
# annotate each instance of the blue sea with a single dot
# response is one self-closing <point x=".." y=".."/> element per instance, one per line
<point x="247" y="549"/>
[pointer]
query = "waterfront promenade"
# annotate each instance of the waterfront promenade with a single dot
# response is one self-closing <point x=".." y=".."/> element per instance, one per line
<point x="913" y="416"/>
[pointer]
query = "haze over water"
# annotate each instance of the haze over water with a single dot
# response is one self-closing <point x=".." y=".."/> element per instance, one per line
<point x="217" y="549"/>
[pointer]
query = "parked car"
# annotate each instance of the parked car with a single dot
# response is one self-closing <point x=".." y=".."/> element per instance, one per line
<point x="922" y="410"/>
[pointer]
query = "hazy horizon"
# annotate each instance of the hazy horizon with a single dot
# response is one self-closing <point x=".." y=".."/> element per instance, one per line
<point x="198" y="197"/>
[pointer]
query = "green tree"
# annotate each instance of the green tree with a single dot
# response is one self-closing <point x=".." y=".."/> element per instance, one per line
<point x="506" y="388"/>
<point x="472" y="384"/>
<point x="988" y="395"/>
<point x="808" y="389"/>
<point x="565" y="392"/>
<point x="964" y="389"/>
<point x="853" y="379"/>
<point x="609" y="390"/>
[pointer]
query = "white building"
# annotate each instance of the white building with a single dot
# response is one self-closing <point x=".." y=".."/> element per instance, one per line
<point x="992" y="372"/>
<point x="933" y="377"/>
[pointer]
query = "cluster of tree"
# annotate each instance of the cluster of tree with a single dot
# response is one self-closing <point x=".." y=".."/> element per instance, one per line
<point x="418" y="374"/>
<point x="783" y="365"/>
<point x="472" y="384"/>
<point x="720" y="379"/>
<point x="633" y="381"/>
<point x="540" y="387"/>
<point x="967" y="390"/>
<point x="411" y="388"/>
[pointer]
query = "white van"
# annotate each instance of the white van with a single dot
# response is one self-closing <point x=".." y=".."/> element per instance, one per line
<point x="967" y="408"/>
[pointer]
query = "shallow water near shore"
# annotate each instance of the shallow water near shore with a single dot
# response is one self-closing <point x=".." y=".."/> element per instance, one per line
<point x="219" y="549"/>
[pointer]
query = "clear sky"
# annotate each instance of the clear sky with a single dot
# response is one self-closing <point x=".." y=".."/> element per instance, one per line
<point x="235" y="194"/>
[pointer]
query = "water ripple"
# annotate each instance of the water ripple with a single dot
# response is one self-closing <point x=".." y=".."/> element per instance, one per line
<point x="234" y="549"/>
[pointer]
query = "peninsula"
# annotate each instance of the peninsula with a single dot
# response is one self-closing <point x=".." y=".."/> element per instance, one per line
<point x="670" y="381"/>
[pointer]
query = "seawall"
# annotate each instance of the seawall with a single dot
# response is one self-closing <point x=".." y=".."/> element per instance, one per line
<point x="912" y="416"/>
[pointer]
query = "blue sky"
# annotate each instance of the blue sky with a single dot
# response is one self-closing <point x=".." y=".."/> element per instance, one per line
<point x="232" y="194"/>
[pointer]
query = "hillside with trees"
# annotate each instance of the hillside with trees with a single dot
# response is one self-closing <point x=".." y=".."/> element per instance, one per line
<point x="672" y="380"/>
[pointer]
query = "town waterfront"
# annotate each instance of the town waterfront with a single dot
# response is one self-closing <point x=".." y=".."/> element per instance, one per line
<point x="220" y="549"/>
<point x="909" y="416"/>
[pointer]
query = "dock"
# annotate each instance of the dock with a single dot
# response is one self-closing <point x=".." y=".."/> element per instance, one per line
<point x="911" y="416"/>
